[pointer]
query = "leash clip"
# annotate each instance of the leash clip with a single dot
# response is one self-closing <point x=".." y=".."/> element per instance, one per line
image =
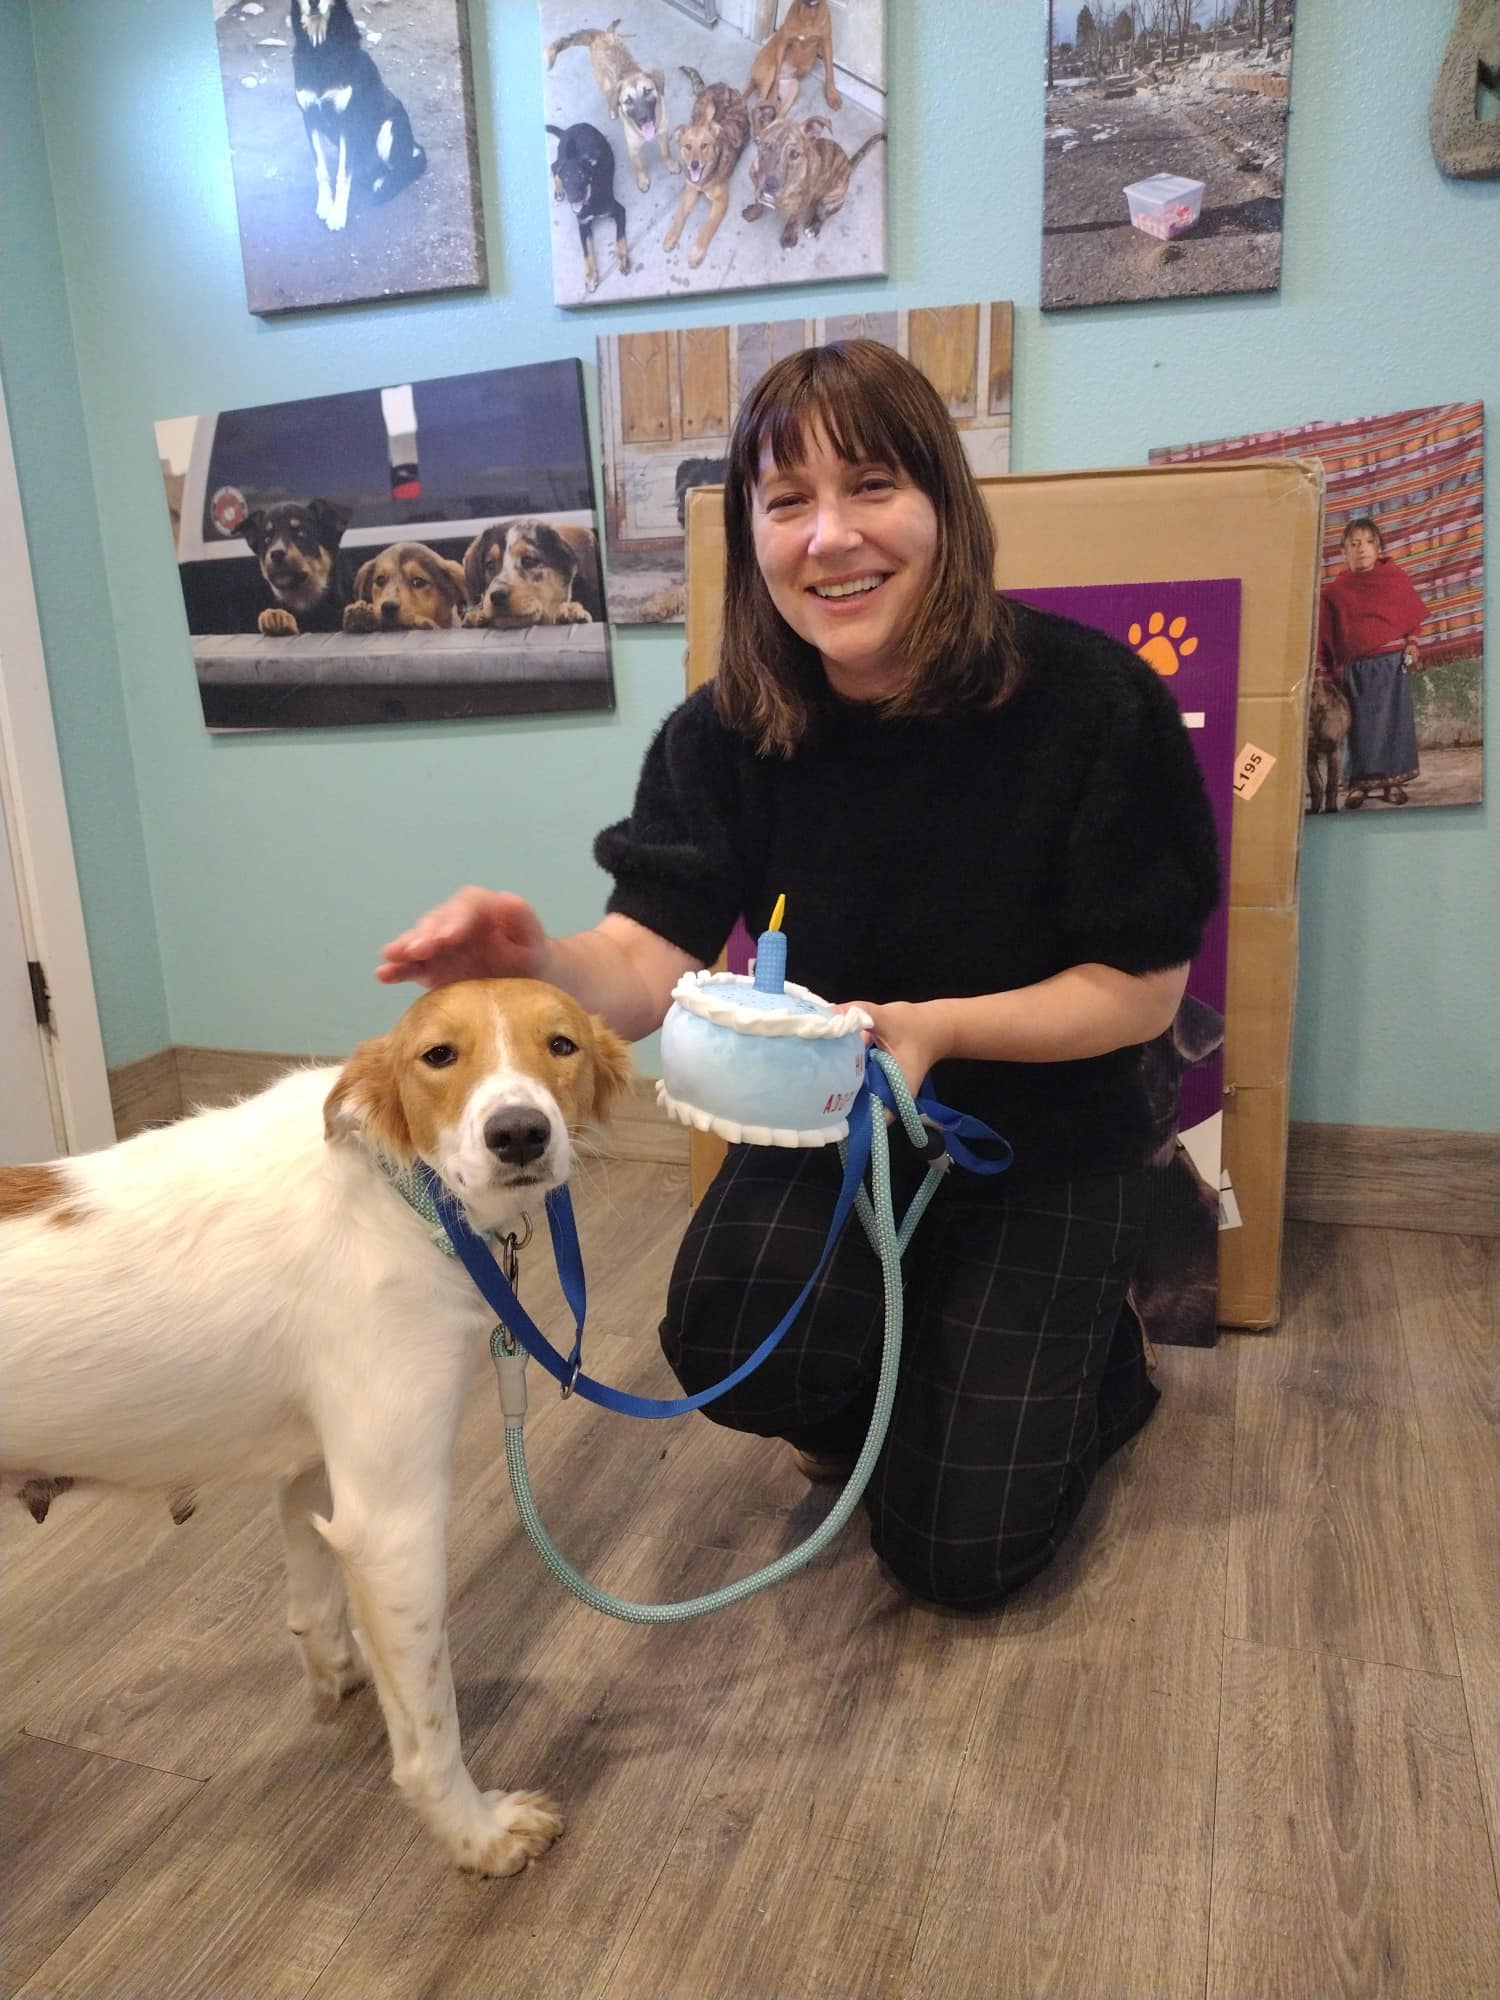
<point x="573" y="1373"/>
<point x="510" y="1254"/>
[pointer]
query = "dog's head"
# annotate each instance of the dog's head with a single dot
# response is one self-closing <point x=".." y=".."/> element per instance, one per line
<point x="489" y="1081"/>
<point x="573" y="173"/>
<point x="295" y="544"/>
<point x="785" y="158"/>
<point x="641" y="100"/>
<point x="411" y="587"/>
<point x="524" y="572"/>
<point x="700" y="148"/>
<point x="314" y="17"/>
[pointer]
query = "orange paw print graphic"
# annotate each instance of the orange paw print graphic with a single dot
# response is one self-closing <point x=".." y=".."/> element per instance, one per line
<point x="1164" y="646"/>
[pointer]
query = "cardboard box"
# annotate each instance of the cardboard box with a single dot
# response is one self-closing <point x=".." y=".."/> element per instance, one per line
<point x="1259" y="520"/>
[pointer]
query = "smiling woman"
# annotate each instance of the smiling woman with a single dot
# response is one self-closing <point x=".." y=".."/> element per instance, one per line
<point x="990" y="820"/>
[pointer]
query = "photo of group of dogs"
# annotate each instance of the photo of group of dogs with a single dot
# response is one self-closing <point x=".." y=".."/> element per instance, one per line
<point x="513" y="574"/>
<point x="413" y="552"/>
<point x="797" y="170"/>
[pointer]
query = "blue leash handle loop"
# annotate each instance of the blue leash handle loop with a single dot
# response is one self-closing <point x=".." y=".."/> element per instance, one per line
<point x="954" y="1128"/>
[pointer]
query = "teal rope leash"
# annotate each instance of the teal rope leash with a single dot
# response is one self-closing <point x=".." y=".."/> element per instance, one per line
<point x="876" y="1213"/>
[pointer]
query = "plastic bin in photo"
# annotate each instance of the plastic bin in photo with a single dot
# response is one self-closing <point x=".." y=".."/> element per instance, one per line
<point x="1165" y="205"/>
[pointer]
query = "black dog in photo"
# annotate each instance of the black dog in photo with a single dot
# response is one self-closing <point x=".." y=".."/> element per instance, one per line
<point x="583" y="175"/>
<point x="359" y="132"/>
<point x="693" y="472"/>
<point x="297" y="547"/>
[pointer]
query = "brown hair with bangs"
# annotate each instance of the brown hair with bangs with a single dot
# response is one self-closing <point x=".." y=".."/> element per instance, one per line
<point x="875" y="407"/>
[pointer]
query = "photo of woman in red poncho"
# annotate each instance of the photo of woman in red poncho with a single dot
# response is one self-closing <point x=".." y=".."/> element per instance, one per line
<point x="1368" y="623"/>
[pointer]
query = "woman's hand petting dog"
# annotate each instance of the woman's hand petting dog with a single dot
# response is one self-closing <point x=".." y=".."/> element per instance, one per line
<point x="475" y="934"/>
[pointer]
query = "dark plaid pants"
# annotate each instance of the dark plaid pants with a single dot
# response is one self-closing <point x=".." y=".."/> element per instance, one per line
<point x="1022" y="1364"/>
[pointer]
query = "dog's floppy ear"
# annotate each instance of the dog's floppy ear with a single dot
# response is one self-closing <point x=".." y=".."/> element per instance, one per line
<point x="613" y="1068"/>
<point x="658" y="77"/>
<point x="474" y="558"/>
<point x="677" y="132"/>
<point x="332" y="520"/>
<point x="763" y="116"/>
<point x="364" y="579"/>
<point x="365" y="1104"/>
<point x="256" y="529"/>
<point x="556" y="548"/>
<point x="457" y="577"/>
<point x="817" y="126"/>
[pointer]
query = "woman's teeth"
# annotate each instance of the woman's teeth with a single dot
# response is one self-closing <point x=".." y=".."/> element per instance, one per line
<point x="854" y="589"/>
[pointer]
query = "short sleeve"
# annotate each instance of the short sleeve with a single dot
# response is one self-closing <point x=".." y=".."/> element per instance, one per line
<point x="1141" y="866"/>
<point x="677" y="860"/>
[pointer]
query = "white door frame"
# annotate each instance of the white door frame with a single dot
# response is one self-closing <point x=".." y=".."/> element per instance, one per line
<point x="41" y="841"/>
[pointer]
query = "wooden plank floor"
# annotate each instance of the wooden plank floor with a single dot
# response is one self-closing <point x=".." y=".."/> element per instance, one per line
<point x="1241" y="1739"/>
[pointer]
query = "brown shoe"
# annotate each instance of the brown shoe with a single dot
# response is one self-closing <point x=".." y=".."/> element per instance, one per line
<point x="827" y="1469"/>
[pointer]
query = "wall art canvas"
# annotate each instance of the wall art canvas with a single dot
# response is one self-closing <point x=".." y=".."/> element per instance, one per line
<point x="413" y="552"/>
<point x="668" y="400"/>
<point x="710" y="145"/>
<point x="1164" y="148"/>
<point x="1397" y="711"/>
<point x="351" y="136"/>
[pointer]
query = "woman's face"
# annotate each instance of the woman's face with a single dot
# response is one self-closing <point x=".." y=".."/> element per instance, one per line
<point x="847" y="552"/>
<point x="1361" y="551"/>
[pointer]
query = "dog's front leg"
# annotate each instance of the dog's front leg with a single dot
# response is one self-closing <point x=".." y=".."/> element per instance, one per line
<point x="395" y="1563"/>
<point x="339" y="214"/>
<point x="317" y="1605"/>
<point x="320" y="167"/>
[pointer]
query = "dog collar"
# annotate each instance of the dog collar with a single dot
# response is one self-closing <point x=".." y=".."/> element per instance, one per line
<point x="414" y="1184"/>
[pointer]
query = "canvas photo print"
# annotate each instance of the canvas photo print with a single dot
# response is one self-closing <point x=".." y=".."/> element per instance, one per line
<point x="1165" y="148"/>
<point x="710" y="145"/>
<point x="416" y="552"/>
<point x="668" y="401"/>
<point x="351" y="135"/>
<point x="1396" y="719"/>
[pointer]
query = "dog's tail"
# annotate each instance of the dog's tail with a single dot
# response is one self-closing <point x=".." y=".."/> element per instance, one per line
<point x="581" y="38"/>
<point x="693" y="77"/>
<point x="873" y="140"/>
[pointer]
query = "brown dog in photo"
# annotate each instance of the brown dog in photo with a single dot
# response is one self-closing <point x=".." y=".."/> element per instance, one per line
<point x="407" y="588"/>
<point x="803" y="37"/>
<point x="533" y="572"/>
<point x="800" y="172"/>
<point x="636" y="96"/>
<point x="1328" y="720"/>
<point x="708" y="150"/>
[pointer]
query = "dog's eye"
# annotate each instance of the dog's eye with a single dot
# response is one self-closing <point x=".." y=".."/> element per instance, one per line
<point x="381" y="581"/>
<point x="442" y="1055"/>
<point x="561" y="1046"/>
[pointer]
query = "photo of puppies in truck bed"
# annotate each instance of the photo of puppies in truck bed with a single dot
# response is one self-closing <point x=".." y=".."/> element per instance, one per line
<point x="414" y="552"/>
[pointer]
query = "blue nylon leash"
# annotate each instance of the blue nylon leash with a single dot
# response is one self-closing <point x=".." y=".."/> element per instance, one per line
<point x="951" y="1132"/>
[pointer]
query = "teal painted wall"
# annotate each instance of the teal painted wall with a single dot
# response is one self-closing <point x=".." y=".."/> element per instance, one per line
<point x="63" y="528"/>
<point x="277" y="866"/>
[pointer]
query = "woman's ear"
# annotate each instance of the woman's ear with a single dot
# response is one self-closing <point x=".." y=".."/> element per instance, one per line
<point x="365" y="1104"/>
<point x="613" y="1069"/>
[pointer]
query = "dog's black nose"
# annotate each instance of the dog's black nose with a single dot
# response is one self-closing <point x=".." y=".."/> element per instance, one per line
<point x="388" y="613"/>
<point x="517" y="1134"/>
<point x="771" y="185"/>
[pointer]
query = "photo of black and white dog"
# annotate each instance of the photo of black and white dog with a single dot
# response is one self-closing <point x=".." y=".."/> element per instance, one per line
<point x="359" y="131"/>
<point x="351" y="131"/>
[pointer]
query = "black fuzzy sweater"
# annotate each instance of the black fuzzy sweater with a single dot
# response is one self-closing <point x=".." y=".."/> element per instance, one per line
<point x="932" y="859"/>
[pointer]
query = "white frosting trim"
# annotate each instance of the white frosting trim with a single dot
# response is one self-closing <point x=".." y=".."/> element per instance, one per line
<point x="748" y="1135"/>
<point x="825" y="1026"/>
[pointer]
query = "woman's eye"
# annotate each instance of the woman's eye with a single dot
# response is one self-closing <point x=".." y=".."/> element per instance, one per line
<point x="561" y="1046"/>
<point x="781" y="502"/>
<point x="440" y="1056"/>
<point x="876" y="482"/>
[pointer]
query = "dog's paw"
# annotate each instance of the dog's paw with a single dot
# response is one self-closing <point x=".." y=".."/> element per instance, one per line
<point x="360" y="617"/>
<point x="277" y="624"/>
<point x="574" y="614"/>
<point x="622" y="259"/>
<point x="832" y="99"/>
<point x="476" y="615"/>
<point x="643" y="182"/>
<point x="334" y="1673"/>
<point x="517" y="1827"/>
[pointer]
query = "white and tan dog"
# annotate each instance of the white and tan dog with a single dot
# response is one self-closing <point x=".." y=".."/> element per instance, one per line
<point x="246" y="1295"/>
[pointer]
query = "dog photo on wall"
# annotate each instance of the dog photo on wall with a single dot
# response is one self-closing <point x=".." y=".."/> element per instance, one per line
<point x="711" y="145"/>
<point x="668" y="400"/>
<point x="417" y="552"/>
<point x="1396" y="717"/>
<point x="351" y="134"/>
